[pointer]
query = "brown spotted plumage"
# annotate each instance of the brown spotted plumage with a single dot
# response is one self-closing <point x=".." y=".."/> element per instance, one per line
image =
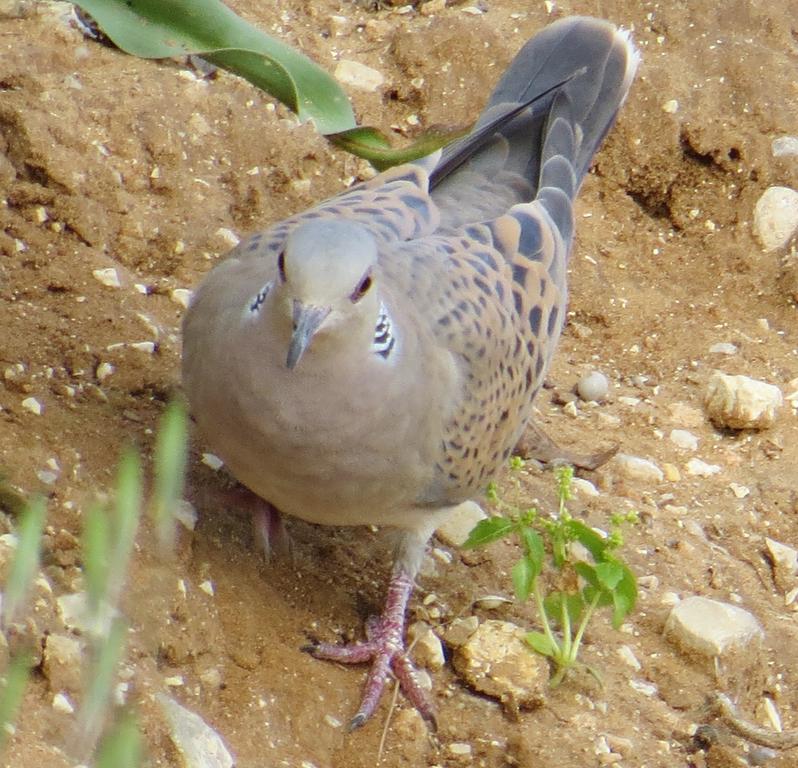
<point x="375" y="359"/>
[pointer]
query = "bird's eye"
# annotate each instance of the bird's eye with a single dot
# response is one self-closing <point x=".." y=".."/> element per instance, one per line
<point x="361" y="289"/>
<point x="281" y="265"/>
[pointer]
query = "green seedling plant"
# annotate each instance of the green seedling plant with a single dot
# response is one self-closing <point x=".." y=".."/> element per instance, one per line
<point x="569" y="569"/>
<point x="157" y="29"/>
<point x="104" y="736"/>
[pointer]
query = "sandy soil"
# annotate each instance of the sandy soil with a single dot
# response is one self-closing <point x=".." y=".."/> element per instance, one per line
<point x="109" y="161"/>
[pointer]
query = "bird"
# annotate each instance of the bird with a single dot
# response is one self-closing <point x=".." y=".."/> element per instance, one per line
<point x="374" y="359"/>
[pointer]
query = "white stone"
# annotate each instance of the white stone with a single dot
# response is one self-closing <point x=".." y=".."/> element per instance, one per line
<point x="635" y="468"/>
<point x="108" y="277"/>
<point x="460" y="748"/>
<point x="147" y="347"/>
<point x="458" y="632"/>
<point x="358" y="75"/>
<point x="213" y="461"/>
<point x="427" y="648"/>
<point x="740" y="491"/>
<point x="229" y="237"/>
<point x="776" y="217"/>
<point x="32" y="405"/>
<point x="671" y="106"/>
<point x="723" y="348"/>
<point x="710" y="627"/>
<point x="207" y="587"/>
<point x="593" y="386"/>
<point x="186" y="514"/>
<point x="584" y="487"/>
<point x="104" y="370"/>
<point x="700" y="468"/>
<point x="181" y="296"/>
<point x="62" y="704"/>
<point x="198" y="745"/>
<point x="784" y="557"/>
<point x="459" y="524"/>
<point x="683" y="439"/>
<point x="785" y="146"/>
<point x="627" y="656"/>
<point x="740" y="402"/>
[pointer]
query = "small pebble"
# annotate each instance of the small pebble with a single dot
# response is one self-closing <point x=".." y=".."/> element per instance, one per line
<point x="670" y="107"/>
<point x="723" y="348"/>
<point x="207" y="587"/>
<point x="358" y="75"/>
<point x="635" y="468"/>
<point x="104" y="370"/>
<point x="700" y="468"/>
<point x="108" y="277"/>
<point x="62" y="704"/>
<point x="785" y="146"/>
<point x="455" y="529"/>
<point x="683" y="439"/>
<point x="627" y="656"/>
<point x="740" y="491"/>
<point x="147" y="347"/>
<point x="710" y="627"/>
<point x="776" y="217"/>
<point x="594" y="386"/>
<point x="784" y="557"/>
<point x="671" y="472"/>
<point x="181" y="296"/>
<point x="459" y="748"/>
<point x="584" y="487"/>
<point x="32" y="405"/>
<point x="212" y="461"/>
<point x="230" y="238"/>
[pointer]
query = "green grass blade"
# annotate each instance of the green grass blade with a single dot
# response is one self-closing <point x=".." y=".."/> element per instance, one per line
<point x="26" y="560"/>
<point x="101" y="678"/>
<point x="125" y="521"/>
<point x="95" y="547"/>
<point x="170" y="470"/>
<point x="16" y="680"/>
<point x="165" y="28"/>
<point x="121" y="747"/>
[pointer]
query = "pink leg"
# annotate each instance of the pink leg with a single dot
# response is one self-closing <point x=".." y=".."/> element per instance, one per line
<point x="385" y="649"/>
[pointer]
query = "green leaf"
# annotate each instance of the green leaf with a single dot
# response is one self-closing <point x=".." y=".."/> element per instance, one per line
<point x="372" y="145"/>
<point x="609" y="573"/>
<point x="25" y="566"/>
<point x="156" y="29"/>
<point x="624" y="597"/>
<point x="588" y="538"/>
<point x="524" y="575"/>
<point x="488" y="530"/>
<point x="171" y="448"/>
<point x="553" y="605"/>
<point x="540" y="643"/>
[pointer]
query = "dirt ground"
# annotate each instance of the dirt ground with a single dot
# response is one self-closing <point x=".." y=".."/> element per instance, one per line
<point x="112" y="162"/>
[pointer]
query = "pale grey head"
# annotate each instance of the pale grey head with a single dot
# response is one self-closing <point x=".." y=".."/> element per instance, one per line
<point x="326" y="283"/>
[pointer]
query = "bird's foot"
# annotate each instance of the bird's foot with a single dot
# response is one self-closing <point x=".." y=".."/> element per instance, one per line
<point x="536" y="445"/>
<point x="384" y="648"/>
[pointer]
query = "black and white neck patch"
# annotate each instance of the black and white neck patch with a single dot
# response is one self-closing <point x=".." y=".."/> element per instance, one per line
<point x="257" y="302"/>
<point x="384" y="340"/>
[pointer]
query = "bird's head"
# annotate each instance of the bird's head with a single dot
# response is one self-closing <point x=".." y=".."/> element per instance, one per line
<point x="326" y="282"/>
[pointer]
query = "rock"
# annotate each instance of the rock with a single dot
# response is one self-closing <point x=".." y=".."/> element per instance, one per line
<point x="458" y="525"/>
<point x="427" y="647"/>
<point x="458" y="632"/>
<point x="776" y="217"/>
<point x="198" y="745"/>
<point x="108" y="277"/>
<point x="785" y="146"/>
<point x="683" y="439"/>
<point x="740" y="402"/>
<point x="594" y="386"/>
<point x="584" y="487"/>
<point x="671" y="472"/>
<point x="723" y="348"/>
<point x="785" y="559"/>
<point x="63" y="658"/>
<point x="496" y="661"/>
<point x="635" y="468"/>
<point x="710" y="627"/>
<point x="699" y="468"/>
<point x="358" y="75"/>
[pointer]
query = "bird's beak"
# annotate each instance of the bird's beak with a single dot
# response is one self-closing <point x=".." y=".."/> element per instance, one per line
<point x="307" y="320"/>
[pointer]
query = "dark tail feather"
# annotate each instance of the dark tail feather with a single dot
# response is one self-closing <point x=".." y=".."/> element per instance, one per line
<point x="574" y="76"/>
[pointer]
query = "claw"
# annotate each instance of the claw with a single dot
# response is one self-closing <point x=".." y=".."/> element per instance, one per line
<point x="384" y="648"/>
